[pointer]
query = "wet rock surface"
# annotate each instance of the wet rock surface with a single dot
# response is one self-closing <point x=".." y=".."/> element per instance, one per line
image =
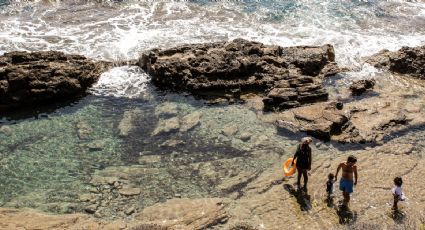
<point x="285" y="77"/>
<point x="359" y="87"/>
<point x="373" y="117"/>
<point x="407" y="60"/>
<point x="270" y="201"/>
<point x="37" y="77"/>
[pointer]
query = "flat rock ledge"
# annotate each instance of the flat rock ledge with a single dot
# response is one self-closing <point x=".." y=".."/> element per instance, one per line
<point x="407" y="60"/>
<point x="285" y="77"/>
<point x="37" y="77"/>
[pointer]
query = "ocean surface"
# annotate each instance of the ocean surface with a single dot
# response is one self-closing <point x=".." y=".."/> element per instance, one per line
<point x="46" y="165"/>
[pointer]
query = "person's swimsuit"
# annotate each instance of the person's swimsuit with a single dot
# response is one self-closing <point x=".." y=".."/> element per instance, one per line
<point x="344" y="184"/>
<point x="303" y="157"/>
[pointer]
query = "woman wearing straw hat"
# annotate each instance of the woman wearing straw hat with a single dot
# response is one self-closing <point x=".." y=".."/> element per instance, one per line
<point x="303" y="160"/>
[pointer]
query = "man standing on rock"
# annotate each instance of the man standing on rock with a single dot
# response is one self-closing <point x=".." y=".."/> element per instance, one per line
<point x="346" y="183"/>
<point x="303" y="160"/>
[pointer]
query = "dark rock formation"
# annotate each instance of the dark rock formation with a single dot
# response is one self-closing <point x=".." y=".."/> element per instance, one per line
<point x="286" y="77"/>
<point x="359" y="87"/>
<point x="407" y="60"/>
<point x="27" y="78"/>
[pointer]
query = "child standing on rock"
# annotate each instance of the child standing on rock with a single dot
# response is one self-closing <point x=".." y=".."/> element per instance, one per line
<point x="330" y="189"/>
<point x="397" y="193"/>
<point x="330" y="185"/>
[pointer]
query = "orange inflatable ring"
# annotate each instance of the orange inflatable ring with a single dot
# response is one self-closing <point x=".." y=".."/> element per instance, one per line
<point x="287" y="169"/>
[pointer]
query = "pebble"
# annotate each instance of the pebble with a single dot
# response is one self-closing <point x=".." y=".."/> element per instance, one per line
<point x="130" y="211"/>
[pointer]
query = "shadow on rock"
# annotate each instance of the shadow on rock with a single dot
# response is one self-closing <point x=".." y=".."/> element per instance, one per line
<point x="330" y="201"/>
<point x="346" y="216"/>
<point x="398" y="216"/>
<point x="303" y="198"/>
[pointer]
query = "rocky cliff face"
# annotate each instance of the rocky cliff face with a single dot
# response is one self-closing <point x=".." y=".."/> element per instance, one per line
<point x="285" y="77"/>
<point x="407" y="60"/>
<point x="27" y="78"/>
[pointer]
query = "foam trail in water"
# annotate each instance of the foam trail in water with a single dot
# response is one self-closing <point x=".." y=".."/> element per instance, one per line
<point x="124" y="81"/>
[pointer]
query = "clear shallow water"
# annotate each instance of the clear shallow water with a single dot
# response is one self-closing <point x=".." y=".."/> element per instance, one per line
<point x="47" y="165"/>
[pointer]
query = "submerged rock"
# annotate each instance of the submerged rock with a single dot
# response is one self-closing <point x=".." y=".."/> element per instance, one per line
<point x="407" y="60"/>
<point x="286" y="77"/>
<point x="126" y="124"/>
<point x="190" y="121"/>
<point x="83" y="130"/>
<point x="130" y="191"/>
<point x="166" y="126"/>
<point x="37" y="77"/>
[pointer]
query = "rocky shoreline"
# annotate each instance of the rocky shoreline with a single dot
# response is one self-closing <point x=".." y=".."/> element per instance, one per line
<point x="42" y="77"/>
<point x="284" y="86"/>
<point x="284" y="77"/>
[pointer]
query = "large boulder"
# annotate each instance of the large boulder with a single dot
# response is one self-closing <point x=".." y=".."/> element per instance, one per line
<point x="285" y="77"/>
<point x="28" y="78"/>
<point x="407" y="60"/>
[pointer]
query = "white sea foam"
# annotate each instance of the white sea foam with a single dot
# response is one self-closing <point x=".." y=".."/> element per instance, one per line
<point x="121" y="31"/>
<point x="125" y="81"/>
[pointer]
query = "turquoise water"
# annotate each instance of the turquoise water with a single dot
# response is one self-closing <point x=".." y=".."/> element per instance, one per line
<point x="97" y="145"/>
<point x="48" y="162"/>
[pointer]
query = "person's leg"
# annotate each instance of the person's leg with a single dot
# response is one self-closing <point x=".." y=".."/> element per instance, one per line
<point x="305" y="175"/>
<point x="347" y="198"/>
<point x="299" y="171"/>
<point x="395" y="206"/>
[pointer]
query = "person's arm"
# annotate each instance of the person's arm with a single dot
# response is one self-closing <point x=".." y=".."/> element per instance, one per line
<point x="296" y="154"/>
<point x="309" y="159"/>
<point x="337" y="171"/>
<point x="355" y="174"/>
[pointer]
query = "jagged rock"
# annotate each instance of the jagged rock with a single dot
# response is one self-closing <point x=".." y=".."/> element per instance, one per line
<point x="407" y="60"/>
<point x="319" y="120"/>
<point x="37" y="77"/>
<point x="359" y="87"/>
<point x="367" y="120"/>
<point x="183" y="213"/>
<point x="286" y="77"/>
